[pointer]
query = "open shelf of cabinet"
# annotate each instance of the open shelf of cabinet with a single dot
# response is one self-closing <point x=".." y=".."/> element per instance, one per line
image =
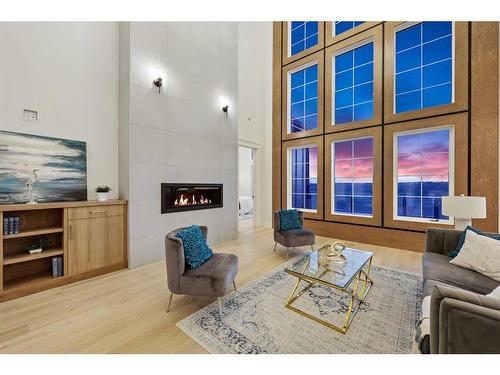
<point x="19" y="258"/>
<point x="29" y="284"/>
<point x="37" y="282"/>
<point x="35" y="232"/>
<point x="21" y="272"/>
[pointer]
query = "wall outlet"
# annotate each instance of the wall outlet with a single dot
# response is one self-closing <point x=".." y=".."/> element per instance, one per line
<point x="30" y="115"/>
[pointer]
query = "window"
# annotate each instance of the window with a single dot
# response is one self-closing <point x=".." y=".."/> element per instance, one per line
<point x="343" y="26"/>
<point x="423" y="173"/>
<point x="302" y="176"/>
<point x="353" y="87"/>
<point x="302" y="35"/>
<point x="352" y="174"/>
<point x="303" y="99"/>
<point x="303" y="164"/>
<point x="353" y="84"/>
<point x="424" y="59"/>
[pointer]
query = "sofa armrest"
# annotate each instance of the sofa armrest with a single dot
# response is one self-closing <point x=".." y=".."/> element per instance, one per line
<point x="464" y="322"/>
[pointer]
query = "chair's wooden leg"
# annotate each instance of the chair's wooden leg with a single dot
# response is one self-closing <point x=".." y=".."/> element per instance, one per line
<point x="275" y="243"/>
<point x="234" y="285"/>
<point x="170" y="301"/>
<point x="220" y="306"/>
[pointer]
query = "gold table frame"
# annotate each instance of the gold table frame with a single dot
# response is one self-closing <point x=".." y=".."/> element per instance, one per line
<point x="356" y="298"/>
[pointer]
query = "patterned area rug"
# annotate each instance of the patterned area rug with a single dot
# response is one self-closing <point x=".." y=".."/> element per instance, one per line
<point x="256" y="321"/>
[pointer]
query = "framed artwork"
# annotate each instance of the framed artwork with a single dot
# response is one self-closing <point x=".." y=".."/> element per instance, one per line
<point x="41" y="169"/>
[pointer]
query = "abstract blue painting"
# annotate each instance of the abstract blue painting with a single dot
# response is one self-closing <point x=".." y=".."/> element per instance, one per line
<point x="56" y="168"/>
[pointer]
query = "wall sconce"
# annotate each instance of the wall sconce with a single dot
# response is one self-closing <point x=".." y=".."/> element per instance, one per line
<point x="225" y="109"/>
<point x="158" y="82"/>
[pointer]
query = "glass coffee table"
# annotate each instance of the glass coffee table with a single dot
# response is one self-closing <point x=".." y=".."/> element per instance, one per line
<point x="350" y="277"/>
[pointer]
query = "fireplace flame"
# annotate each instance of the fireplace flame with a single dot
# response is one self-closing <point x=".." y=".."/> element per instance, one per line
<point x="191" y="200"/>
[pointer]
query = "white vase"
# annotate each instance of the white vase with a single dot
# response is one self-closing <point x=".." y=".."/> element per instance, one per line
<point x="102" y="197"/>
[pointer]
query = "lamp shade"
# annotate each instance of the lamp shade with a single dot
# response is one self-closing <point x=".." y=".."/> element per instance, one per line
<point x="465" y="207"/>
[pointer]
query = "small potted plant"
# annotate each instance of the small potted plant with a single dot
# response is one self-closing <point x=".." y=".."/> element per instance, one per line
<point x="37" y="246"/>
<point x="102" y="192"/>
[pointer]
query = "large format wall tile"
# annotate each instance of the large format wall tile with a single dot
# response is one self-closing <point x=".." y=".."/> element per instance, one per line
<point x="181" y="133"/>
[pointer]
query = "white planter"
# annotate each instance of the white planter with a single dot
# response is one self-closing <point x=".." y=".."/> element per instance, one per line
<point x="102" y="197"/>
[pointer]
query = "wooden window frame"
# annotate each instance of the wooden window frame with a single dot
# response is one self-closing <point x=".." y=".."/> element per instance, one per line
<point x="376" y="36"/>
<point x="317" y="57"/>
<point x="289" y="59"/>
<point x="460" y="80"/>
<point x="332" y="39"/>
<point x="314" y="142"/>
<point x="376" y="134"/>
<point x="460" y="150"/>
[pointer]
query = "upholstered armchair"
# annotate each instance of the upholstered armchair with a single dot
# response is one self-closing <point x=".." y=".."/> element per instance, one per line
<point x="214" y="278"/>
<point x="292" y="238"/>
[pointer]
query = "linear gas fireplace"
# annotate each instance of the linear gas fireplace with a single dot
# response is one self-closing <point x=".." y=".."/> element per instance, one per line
<point x="186" y="197"/>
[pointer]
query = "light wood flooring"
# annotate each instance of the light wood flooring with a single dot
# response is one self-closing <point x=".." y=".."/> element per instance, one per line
<point x="124" y="312"/>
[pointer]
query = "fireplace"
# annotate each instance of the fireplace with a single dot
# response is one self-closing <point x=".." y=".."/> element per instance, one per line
<point x="186" y="197"/>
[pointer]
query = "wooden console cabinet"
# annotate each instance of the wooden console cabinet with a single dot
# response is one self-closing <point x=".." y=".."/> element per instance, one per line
<point x="90" y="236"/>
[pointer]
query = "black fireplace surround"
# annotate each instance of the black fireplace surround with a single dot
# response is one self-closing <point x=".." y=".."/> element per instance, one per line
<point x="187" y="197"/>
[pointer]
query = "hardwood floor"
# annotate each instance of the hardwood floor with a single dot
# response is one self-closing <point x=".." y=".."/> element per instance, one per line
<point x="124" y="312"/>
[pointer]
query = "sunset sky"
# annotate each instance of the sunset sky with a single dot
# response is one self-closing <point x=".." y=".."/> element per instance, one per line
<point x="361" y="167"/>
<point x="423" y="156"/>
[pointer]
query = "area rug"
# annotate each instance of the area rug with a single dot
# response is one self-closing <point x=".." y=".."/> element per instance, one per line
<point x="254" y="319"/>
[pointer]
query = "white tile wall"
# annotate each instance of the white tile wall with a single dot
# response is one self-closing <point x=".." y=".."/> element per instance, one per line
<point x="180" y="135"/>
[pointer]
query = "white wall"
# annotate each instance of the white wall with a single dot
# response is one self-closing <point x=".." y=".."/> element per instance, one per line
<point x="245" y="164"/>
<point x="68" y="72"/>
<point x="255" y="43"/>
<point x="181" y="134"/>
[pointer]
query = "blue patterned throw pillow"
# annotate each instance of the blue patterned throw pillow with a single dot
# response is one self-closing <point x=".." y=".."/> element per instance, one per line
<point x="196" y="250"/>
<point x="289" y="219"/>
<point x="461" y="239"/>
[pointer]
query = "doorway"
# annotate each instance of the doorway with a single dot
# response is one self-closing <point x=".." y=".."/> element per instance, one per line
<point x="246" y="188"/>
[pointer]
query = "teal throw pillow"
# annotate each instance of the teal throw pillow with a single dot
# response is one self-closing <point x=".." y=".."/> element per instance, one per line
<point x="196" y="250"/>
<point x="461" y="239"/>
<point x="289" y="219"/>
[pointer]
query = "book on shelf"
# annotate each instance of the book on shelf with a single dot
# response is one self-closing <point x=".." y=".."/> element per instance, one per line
<point x="11" y="225"/>
<point x="57" y="267"/>
<point x="60" y="267"/>
<point x="54" y="267"/>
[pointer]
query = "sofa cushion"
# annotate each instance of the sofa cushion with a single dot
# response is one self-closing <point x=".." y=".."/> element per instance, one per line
<point x="196" y="250"/>
<point x="437" y="269"/>
<point x="212" y="278"/>
<point x="481" y="254"/>
<point x="461" y="239"/>
<point x="429" y="285"/>
<point x="289" y="219"/>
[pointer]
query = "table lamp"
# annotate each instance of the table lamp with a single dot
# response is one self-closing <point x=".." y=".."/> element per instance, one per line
<point x="463" y="209"/>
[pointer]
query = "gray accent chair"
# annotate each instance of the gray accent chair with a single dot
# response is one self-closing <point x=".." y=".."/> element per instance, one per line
<point x="462" y="319"/>
<point x="214" y="278"/>
<point x="294" y="237"/>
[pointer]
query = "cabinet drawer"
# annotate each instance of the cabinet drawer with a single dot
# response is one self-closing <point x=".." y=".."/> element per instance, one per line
<point x="95" y="211"/>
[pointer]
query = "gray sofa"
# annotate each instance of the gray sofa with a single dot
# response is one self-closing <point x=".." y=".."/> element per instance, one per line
<point x="462" y="318"/>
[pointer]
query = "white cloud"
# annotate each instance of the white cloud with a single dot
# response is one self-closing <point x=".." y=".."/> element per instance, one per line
<point x="20" y="155"/>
